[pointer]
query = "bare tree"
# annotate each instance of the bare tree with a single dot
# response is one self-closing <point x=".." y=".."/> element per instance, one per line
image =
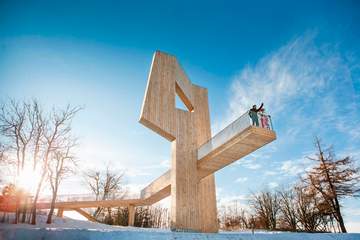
<point x="38" y="123"/>
<point x="61" y="164"/>
<point x="266" y="206"/>
<point x="16" y="126"/>
<point x="107" y="185"/>
<point x="2" y="150"/>
<point x="17" y="132"/>
<point x="57" y="129"/>
<point x="32" y="136"/>
<point x="311" y="211"/>
<point x="333" y="179"/>
<point x="233" y="217"/>
<point x="288" y="208"/>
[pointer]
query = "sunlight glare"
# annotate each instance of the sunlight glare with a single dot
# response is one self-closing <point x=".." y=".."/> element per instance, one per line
<point x="28" y="179"/>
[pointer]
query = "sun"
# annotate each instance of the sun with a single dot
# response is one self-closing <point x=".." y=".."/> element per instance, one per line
<point x="28" y="179"/>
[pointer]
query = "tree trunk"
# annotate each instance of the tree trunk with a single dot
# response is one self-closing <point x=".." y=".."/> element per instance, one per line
<point x="52" y="206"/>
<point x="24" y="210"/>
<point x="17" y="211"/>
<point x="51" y="212"/>
<point x="339" y="216"/>
<point x="33" y="214"/>
<point x="33" y="217"/>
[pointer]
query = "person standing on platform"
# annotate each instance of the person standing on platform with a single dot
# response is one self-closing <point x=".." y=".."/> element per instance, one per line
<point x="253" y="113"/>
<point x="264" y="119"/>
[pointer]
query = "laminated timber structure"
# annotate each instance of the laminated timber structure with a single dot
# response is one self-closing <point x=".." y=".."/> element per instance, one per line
<point x="195" y="155"/>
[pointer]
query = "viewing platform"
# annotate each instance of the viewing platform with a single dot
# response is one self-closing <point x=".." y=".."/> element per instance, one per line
<point x="235" y="141"/>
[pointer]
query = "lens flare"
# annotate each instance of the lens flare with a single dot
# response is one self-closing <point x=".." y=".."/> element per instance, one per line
<point x="28" y="180"/>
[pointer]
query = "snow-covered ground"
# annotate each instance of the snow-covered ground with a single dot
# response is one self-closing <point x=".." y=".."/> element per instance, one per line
<point x="70" y="229"/>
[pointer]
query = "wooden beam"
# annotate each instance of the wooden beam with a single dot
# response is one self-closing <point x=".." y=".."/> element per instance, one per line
<point x="85" y="214"/>
<point x="206" y="186"/>
<point x="131" y="210"/>
<point x="91" y="204"/>
<point x="60" y="212"/>
<point x="156" y="186"/>
<point x="242" y="144"/>
<point x="158" y="113"/>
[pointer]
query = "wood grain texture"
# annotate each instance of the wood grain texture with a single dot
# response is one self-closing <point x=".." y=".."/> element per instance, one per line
<point x="206" y="186"/>
<point x="184" y="184"/>
<point x="158" y="111"/>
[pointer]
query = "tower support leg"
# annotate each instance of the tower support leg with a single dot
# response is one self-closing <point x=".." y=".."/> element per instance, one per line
<point x="131" y="219"/>
<point x="60" y="212"/>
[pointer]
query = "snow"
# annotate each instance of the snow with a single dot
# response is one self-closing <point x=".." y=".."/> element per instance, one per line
<point x="70" y="229"/>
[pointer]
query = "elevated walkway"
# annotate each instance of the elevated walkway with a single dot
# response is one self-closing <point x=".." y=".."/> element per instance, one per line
<point x="235" y="141"/>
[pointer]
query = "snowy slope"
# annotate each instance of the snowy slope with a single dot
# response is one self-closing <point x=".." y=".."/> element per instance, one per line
<point x="69" y="229"/>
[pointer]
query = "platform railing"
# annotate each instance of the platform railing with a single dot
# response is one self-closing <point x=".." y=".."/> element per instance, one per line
<point x="78" y="197"/>
<point x="69" y="197"/>
<point x="265" y="121"/>
<point x="234" y="128"/>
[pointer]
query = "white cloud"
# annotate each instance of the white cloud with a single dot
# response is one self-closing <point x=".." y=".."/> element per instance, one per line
<point x="291" y="168"/>
<point x="133" y="190"/>
<point x="226" y="199"/>
<point x="254" y="160"/>
<point x="249" y="163"/>
<point x="295" y="69"/>
<point x="273" y="184"/>
<point x="253" y="166"/>
<point x="241" y="179"/>
<point x="135" y="172"/>
<point x="271" y="173"/>
<point x="296" y="167"/>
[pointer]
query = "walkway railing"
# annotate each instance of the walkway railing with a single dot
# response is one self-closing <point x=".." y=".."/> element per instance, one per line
<point x="237" y="126"/>
<point x="77" y="197"/>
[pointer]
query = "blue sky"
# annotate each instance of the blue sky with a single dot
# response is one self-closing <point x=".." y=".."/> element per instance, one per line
<point x="302" y="59"/>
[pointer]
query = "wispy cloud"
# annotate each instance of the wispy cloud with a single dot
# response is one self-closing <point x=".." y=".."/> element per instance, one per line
<point x="289" y="167"/>
<point x="249" y="163"/>
<point x="299" y="84"/>
<point x="271" y="173"/>
<point x="297" y="69"/>
<point x="273" y="184"/>
<point x="241" y="179"/>
<point x="238" y="201"/>
<point x="296" y="167"/>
